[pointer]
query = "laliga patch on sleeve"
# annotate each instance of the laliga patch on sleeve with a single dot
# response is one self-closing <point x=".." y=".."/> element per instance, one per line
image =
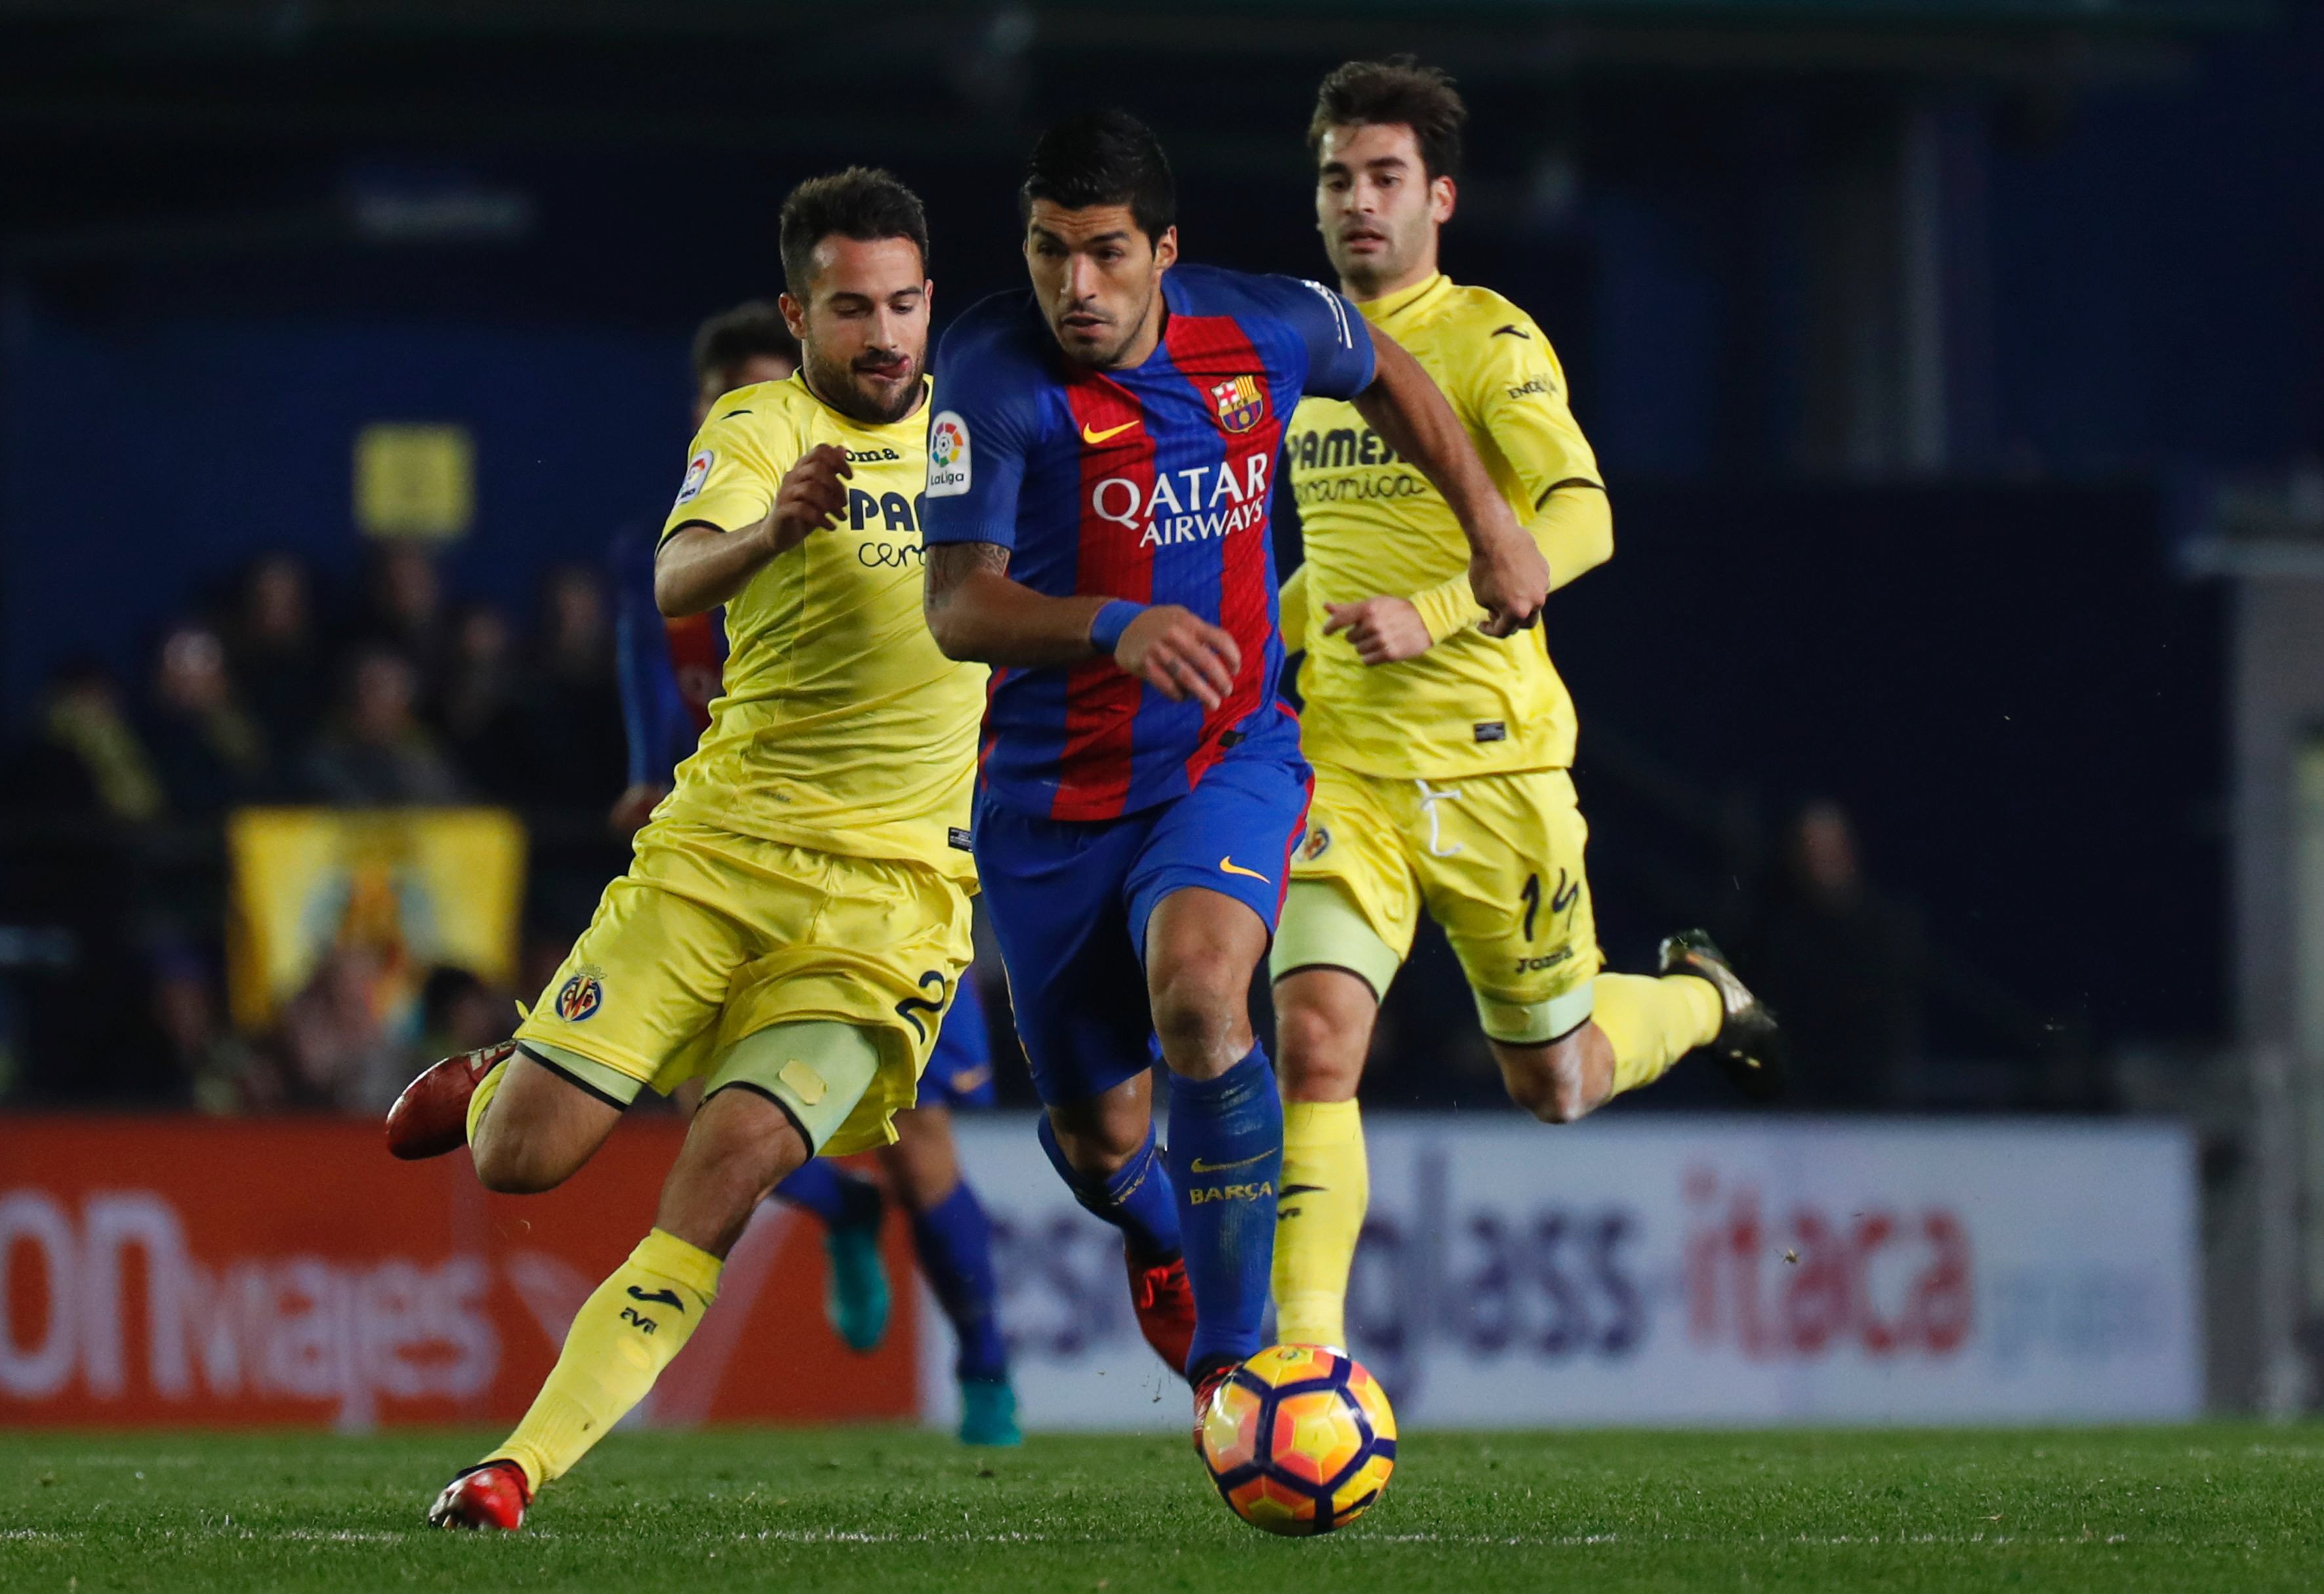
<point x="697" y="471"/>
<point x="947" y="455"/>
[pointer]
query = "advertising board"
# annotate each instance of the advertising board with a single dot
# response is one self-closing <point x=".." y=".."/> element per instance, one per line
<point x="1663" y="1270"/>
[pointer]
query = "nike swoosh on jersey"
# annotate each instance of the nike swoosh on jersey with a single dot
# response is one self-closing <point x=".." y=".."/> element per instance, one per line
<point x="1513" y="330"/>
<point x="1091" y="435"/>
<point x="1304" y="1189"/>
<point x="1199" y="1166"/>
<point x="1228" y="866"/>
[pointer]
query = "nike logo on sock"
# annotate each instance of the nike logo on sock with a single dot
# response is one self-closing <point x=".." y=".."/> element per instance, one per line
<point x="663" y="1297"/>
<point x="1199" y="1166"/>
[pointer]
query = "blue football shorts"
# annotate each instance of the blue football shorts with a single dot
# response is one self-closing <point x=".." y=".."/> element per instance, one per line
<point x="1070" y="900"/>
<point x="960" y="1070"/>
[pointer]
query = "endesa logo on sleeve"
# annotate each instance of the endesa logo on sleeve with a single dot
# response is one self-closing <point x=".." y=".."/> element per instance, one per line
<point x="948" y="461"/>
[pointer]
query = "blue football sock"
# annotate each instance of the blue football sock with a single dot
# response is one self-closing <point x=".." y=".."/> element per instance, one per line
<point x="953" y="1240"/>
<point x="1226" y="1154"/>
<point x="831" y="1193"/>
<point x="1138" y="1200"/>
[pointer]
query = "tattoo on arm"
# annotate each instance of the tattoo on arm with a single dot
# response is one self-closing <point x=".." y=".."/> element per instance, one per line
<point x="951" y="563"/>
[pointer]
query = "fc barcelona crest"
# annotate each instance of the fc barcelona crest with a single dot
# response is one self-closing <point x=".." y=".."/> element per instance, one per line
<point x="1239" y="402"/>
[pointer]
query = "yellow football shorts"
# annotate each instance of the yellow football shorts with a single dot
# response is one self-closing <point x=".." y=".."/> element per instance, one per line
<point x="712" y="937"/>
<point x="1495" y="859"/>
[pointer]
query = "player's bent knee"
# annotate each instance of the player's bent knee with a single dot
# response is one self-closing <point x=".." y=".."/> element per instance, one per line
<point x="551" y="1111"/>
<point x="1321" y="1058"/>
<point x="1558" y="1103"/>
<point x="507" y="1165"/>
<point x="514" y="1158"/>
<point x="1197" y="1000"/>
<point x="1548" y="1081"/>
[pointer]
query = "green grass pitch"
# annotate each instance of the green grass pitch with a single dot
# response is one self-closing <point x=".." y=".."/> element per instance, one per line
<point x="2209" y="1508"/>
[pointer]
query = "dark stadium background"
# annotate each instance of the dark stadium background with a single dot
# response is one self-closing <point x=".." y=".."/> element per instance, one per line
<point x="1922" y="345"/>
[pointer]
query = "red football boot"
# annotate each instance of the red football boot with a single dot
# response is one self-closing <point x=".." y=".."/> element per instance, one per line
<point x="1164" y="1303"/>
<point x="1206" y="1389"/>
<point x="494" y="1495"/>
<point x="431" y="1117"/>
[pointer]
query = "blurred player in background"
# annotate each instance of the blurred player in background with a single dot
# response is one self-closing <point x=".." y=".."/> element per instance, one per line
<point x="671" y="668"/>
<point x="1441" y="750"/>
<point x="1098" y="529"/>
<point x="796" y="922"/>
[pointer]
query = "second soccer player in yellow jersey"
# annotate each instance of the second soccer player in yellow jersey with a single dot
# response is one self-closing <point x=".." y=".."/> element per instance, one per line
<point x="1441" y="753"/>
<point x="796" y="918"/>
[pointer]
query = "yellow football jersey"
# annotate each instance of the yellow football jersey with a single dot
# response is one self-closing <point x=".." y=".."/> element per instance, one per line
<point x="1373" y="525"/>
<point x="841" y="727"/>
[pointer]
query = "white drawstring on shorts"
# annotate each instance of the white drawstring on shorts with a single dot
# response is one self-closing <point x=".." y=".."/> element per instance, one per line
<point x="1429" y="797"/>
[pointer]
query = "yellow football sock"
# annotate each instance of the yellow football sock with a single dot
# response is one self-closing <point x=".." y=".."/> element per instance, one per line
<point x="482" y="1096"/>
<point x="1653" y="1022"/>
<point x="625" y="1334"/>
<point x="1319" y="1215"/>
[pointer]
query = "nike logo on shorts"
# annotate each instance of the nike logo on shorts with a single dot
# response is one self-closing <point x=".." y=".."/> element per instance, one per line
<point x="1228" y="866"/>
<point x="1089" y="434"/>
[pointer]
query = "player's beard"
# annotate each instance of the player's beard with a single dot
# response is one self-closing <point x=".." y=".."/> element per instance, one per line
<point x="837" y="383"/>
<point x="1368" y="276"/>
<point x="1107" y="357"/>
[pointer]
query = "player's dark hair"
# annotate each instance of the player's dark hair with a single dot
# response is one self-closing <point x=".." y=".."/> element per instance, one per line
<point x="1398" y="91"/>
<point x="747" y="332"/>
<point x="1102" y="158"/>
<point x="862" y="203"/>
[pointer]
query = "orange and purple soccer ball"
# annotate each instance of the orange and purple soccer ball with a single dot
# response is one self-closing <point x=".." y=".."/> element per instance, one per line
<point x="1300" y="1439"/>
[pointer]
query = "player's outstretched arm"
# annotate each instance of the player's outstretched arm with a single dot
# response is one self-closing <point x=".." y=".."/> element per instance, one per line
<point x="701" y="566"/>
<point x="977" y="613"/>
<point x="1506" y="570"/>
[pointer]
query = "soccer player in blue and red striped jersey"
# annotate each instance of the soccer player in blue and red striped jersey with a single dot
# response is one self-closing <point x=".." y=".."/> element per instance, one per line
<point x="1100" y="469"/>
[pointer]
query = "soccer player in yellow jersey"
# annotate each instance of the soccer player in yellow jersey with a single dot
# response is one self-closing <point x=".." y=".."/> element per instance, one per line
<point x="1442" y="752"/>
<point x="796" y="918"/>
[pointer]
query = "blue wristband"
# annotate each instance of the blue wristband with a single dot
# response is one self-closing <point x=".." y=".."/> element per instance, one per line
<point x="1106" y="631"/>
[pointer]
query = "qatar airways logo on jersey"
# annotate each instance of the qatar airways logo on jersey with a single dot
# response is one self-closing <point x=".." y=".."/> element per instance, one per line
<point x="1197" y="505"/>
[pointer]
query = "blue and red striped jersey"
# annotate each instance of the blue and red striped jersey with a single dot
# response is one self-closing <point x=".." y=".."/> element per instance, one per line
<point x="1151" y="483"/>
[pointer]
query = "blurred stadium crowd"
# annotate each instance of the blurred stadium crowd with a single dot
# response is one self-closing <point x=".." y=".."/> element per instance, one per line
<point x="277" y="690"/>
<point x="274" y="689"/>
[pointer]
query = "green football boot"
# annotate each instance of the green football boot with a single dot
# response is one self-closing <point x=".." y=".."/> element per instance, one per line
<point x="988" y="1414"/>
<point x="855" y="1297"/>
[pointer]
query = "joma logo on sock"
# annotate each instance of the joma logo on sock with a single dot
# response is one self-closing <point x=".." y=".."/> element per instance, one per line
<point x="645" y="1325"/>
<point x="1198" y="1195"/>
